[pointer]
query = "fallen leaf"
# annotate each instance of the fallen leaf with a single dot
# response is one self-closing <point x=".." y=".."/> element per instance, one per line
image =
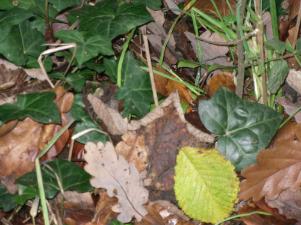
<point x="207" y="7"/>
<point x="163" y="212"/>
<point x="114" y="122"/>
<point x="156" y="140"/>
<point x="120" y="178"/>
<point x="290" y="108"/>
<point x="277" y="168"/>
<point x="288" y="204"/>
<point x="294" y="80"/>
<point x="218" y="80"/>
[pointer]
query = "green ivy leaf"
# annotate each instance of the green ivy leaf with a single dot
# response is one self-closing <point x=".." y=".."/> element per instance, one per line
<point x="87" y="48"/>
<point x="7" y="200"/>
<point x="243" y="128"/>
<point x="110" y="18"/>
<point x="110" y="66"/>
<point x="85" y="122"/>
<point x="57" y="173"/>
<point x="206" y="185"/>
<point x="278" y="73"/>
<point x="38" y="106"/>
<point x="152" y="4"/>
<point x="78" y="79"/>
<point x="63" y="4"/>
<point x="20" y="42"/>
<point x="136" y="90"/>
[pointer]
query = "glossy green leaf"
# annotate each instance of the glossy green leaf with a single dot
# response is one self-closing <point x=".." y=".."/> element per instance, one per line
<point x="87" y="48"/>
<point x="20" y="42"/>
<point x="85" y="122"/>
<point x="243" y="128"/>
<point x="278" y="73"/>
<point x="110" y="18"/>
<point x="63" y="4"/>
<point x="136" y="90"/>
<point x="38" y="106"/>
<point x="152" y="4"/>
<point x="78" y="79"/>
<point x="206" y="185"/>
<point x="7" y="200"/>
<point x="111" y="68"/>
<point x="56" y="174"/>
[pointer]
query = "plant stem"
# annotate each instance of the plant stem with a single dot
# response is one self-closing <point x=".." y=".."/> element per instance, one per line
<point x="258" y="10"/>
<point x="290" y="117"/>
<point x="122" y="55"/>
<point x="274" y="19"/>
<point x="241" y="8"/>
<point x="244" y="215"/>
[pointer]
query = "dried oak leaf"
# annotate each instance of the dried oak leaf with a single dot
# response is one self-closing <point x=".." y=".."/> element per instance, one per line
<point x="154" y="143"/>
<point x="120" y="178"/>
<point x="278" y="168"/>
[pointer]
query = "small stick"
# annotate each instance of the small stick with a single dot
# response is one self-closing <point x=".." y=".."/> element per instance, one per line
<point x="150" y="69"/>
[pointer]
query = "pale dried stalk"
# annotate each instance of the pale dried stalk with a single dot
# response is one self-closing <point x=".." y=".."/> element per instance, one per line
<point x="150" y="69"/>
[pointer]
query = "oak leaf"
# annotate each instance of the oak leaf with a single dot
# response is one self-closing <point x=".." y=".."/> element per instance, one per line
<point x="278" y="168"/>
<point x="119" y="178"/>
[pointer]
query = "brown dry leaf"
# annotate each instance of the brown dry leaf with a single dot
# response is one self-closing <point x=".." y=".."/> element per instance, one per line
<point x="19" y="148"/>
<point x="290" y="108"/>
<point x="212" y="54"/>
<point x="114" y="122"/>
<point x="294" y="80"/>
<point x="104" y="213"/>
<point x="120" y="178"/>
<point x="156" y="140"/>
<point x="218" y="80"/>
<point x="277" y="169"/>
<point x="288" y="204"/>
<point x="162" y="213"/>
<point x="207" y="7"/>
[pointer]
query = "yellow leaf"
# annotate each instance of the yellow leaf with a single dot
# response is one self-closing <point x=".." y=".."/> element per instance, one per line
<point x="206" y="185"/>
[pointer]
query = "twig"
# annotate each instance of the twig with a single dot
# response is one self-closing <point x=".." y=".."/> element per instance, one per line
<point x="258" y="10"/>
<point x="150" y="69"/>
<point x="229" y="43"/>
<point x="297" y="27"/>
<point x="241" y="8"/>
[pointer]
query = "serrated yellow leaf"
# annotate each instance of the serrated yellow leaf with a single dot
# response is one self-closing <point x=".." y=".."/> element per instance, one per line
<point x="206" y="185"/>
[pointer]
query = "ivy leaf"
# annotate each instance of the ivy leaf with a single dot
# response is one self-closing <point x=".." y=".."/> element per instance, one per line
<point x="278" y="73"/>
<point x="136" y="90"/>
<point x="57" y="174"/>
<point x="110" y="66"/>
<point x="243" y="128"/>
<point x="38" y="106"/>
<point x="63" y="4"/>
<point x="85" y="122"/>
<point x="206" y="185"/>
<point x="111" y="18"/>
<point x="153" y="4"/>
<point x="277" y="45"/>
<point x="7" y="200"/>
<point x="20" y="42"/>
<point x="78" y="79"/>
<point x="87" y="48"/>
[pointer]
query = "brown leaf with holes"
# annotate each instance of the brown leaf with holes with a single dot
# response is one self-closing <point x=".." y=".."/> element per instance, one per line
<point x="163" y="212"/>
<point x="278" y="168"/>
<point x="155" y="142"/>
<point x="218" y="80"/>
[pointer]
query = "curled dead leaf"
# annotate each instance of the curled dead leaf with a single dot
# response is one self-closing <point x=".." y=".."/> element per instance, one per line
<point x="218" y="80"/>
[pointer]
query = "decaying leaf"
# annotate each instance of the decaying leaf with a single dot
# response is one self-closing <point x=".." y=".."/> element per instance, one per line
<point x="218" y="80"/>
<point x="277" y="169"/>
<point x="163" y="212"/>
<point x="119" y="178"/>
<point x="294" y="80"/>
<point x="290" y="108"/>
<point x="114" y="122"/>
<point x="288" y="204"/>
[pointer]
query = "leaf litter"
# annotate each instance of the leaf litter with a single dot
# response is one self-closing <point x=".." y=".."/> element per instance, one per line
<point x="141" y="142"/>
